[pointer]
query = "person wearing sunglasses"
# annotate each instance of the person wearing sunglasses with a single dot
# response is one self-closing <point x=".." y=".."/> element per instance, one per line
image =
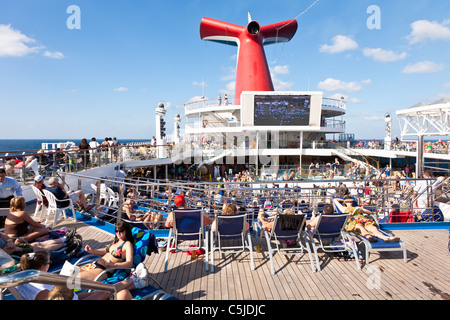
<point x="118" y="254"/>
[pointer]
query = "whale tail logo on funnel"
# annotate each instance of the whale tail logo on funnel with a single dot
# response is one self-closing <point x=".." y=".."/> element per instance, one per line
<point x="252" y="71"/>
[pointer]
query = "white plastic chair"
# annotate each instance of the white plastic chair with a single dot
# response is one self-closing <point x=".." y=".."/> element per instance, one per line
<point x="113" y="197"/>
<point x="40" y="202"/>
<point x="52" y="206"/>
<point x="103" y="193"/>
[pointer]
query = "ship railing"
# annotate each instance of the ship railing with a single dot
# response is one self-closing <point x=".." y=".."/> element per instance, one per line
<point x="333" y="123"/>
<point x="206" y="124"/>
<point x="12" y="280"/>
<point x="436" y="147"/>
<point x="370" y="164"/>
<point x="335" y="103"/>
<point x="387" y="199"/>
<point x="30" y="163"/>
<point x="207" y="103"/>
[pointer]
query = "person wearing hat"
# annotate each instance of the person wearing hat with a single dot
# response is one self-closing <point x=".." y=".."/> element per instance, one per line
<point x="58" y="190"/>
<point x="359" y="222"/>
<point x="39" y="183"/>
<point x="180" y="203"/>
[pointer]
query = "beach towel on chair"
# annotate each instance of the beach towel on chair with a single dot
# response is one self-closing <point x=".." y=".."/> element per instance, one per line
<point x="290" y="222"/>
<point x="144" y="244"/>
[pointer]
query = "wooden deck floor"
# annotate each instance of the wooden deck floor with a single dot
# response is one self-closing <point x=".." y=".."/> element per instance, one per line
<point x="425" y="276"/>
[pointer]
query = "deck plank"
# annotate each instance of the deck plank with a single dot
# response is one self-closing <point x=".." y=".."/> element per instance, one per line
<point x="425" y="275"/>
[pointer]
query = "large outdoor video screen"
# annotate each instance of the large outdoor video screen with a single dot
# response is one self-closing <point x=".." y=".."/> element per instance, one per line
<point x="282" y="110"/>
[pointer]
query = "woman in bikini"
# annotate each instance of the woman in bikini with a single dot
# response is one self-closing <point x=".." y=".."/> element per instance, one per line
<point x="118" y="254"/>
<point x="358" y="222"/>
<point x="19" y="223"/>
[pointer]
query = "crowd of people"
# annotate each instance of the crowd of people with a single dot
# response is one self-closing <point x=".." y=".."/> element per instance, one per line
<point x="442" y="147"/>
<point x="231" y="194"/>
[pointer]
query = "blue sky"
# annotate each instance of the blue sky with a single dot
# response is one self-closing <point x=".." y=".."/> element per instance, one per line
<point x="106" y="78"/>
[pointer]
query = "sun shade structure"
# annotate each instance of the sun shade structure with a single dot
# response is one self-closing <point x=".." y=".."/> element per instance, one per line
<point x="425" y="120"/>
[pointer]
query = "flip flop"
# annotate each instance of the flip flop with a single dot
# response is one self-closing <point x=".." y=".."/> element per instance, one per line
<point x="392" y="239"/>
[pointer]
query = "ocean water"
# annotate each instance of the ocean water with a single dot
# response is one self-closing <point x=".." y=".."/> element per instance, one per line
<point x="8" y="145"/>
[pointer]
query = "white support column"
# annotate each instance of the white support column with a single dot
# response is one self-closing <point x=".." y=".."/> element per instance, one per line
<point x="160" y="141"/>
<point x="419" y="162"/>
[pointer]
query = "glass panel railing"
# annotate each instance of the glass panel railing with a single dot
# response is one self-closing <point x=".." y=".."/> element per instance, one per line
<point x="368" y="163"/>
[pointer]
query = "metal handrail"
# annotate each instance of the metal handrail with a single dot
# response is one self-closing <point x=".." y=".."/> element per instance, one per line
<point x="36" y="276"/>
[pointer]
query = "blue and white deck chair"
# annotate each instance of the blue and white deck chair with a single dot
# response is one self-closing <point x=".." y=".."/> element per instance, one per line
<point x="230" y="229"/>
<point x="187" y="226"/>
<point x="287" y="205"/>
<point x="294" y="232"/>
<point x="330" y="235"/>
<point x="380" y="245"/>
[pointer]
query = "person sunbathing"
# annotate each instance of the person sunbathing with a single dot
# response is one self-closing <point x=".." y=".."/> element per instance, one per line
<point x="118" y="254"/>
<point x="359" y="221"/>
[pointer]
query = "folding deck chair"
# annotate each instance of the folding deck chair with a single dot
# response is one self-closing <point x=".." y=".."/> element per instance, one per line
<point x="187" y="226"/>
<point x="231" y="228"/>
<point x="292" y="232"/>
<point x="330" y="235"/>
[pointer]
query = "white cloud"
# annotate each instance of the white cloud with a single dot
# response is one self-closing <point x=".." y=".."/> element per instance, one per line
<point x="281" y="85"/>
<point x="379" y="54"/>
<point x="120" y="89"/>
<point x="372" y="118"/>
<point x="423" y="67"/>
<point x="230" y="74"/>
<point x="196" y="99"/>
<point x="231" y="86"/>
<point x="331" y="84"/>
<point x="280" y="70"/>
<point x="340" y="43"/>
<point x="13" y="43"/>
<point x="339" y="96"/>
<point x="200" y="84"/>
<point x="54" y="55"/>
<point x="423" y="30"/>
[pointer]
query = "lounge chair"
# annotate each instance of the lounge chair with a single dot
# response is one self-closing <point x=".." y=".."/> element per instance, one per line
<point x="144" y="245"/>
<point x="380" y="245"/>
<point x="292" y="232"/>
<point x="330" y="235"/>
<point x="187" y="226"/>
<point x="231" y="228"/>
